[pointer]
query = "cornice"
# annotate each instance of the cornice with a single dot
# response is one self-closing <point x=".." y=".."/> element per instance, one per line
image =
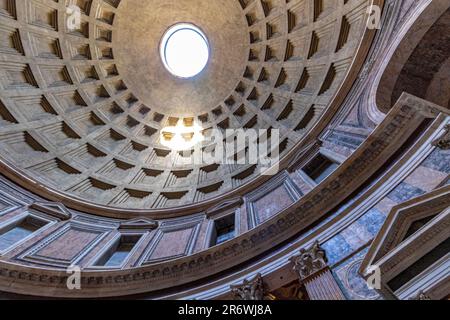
<point x="399" y="124"/>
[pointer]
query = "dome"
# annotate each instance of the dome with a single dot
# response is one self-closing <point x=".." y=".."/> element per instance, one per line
<point x="98" y="122"/>
<point x="175" y="134"/>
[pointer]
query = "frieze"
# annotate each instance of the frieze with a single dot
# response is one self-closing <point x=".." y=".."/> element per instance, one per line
<point x="382" y="143"/>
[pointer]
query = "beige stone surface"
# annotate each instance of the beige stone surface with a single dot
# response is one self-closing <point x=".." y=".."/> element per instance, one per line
<point x="82" y="111"/>
<point x="140" y="26"/>
<point x="100" y="156"/>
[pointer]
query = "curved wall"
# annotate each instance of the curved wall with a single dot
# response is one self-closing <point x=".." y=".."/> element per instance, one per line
<point x="381" y="166"/>
<point x="74" y="124"/>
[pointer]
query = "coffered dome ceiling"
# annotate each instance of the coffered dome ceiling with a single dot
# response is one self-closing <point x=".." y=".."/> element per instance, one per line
<point x="94" y="177"/>
<point x="136" y="50"/>
<point x="82" y="111"/>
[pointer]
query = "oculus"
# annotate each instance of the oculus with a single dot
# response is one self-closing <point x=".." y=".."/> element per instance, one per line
<point x="184" y="50"/>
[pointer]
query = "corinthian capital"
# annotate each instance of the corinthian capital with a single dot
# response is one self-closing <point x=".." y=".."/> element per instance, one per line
<point x="252" y="289"/>
<point x="309" y="261"/>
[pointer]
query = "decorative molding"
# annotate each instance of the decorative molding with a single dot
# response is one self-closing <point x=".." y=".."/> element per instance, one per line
<point x="282" y="179"/>
<point x="224" y="206"/>
<point x="221" y="214"/>
<point x="168" y="227"/>
<point x="21" y="216"/>
<point x="426" y="108"/>
<point x="393" y="254"/>
<point x="33" y="254"/>
<point x="57" y="210"/>
<point x="400" y="218"/>
<point x="249" y="290"/>
<point x="7" y="204"/>
<point x="139" y="224"/>
<point x="304" y="155"/>
<point x="443" y="142"/>
<point x="92" y="265"/>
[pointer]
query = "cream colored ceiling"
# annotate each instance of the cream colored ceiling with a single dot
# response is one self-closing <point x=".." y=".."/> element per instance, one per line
<point x="81" y="112"/>
<point x="136" y="51"/>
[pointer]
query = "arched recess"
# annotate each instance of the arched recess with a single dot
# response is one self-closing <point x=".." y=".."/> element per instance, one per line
<point x="420" y="60"/>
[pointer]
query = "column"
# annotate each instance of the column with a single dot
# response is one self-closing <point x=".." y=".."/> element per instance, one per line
<point x="314" y="273"/>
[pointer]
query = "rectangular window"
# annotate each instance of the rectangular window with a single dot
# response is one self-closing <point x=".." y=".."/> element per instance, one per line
<point x="224" y="230"/>
<point x="320" y="168"/>
<point x="118" y="253"/>
<point x="18" y="231"/>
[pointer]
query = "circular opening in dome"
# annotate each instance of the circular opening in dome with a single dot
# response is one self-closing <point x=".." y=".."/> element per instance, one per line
<point x="184" y="50"/>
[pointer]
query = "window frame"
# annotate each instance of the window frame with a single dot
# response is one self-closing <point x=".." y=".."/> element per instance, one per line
<point x="210" y="233"/>
<point x="115" y="242"/>
<point x="329" y="156"/>
<point x="17" y="220"/>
